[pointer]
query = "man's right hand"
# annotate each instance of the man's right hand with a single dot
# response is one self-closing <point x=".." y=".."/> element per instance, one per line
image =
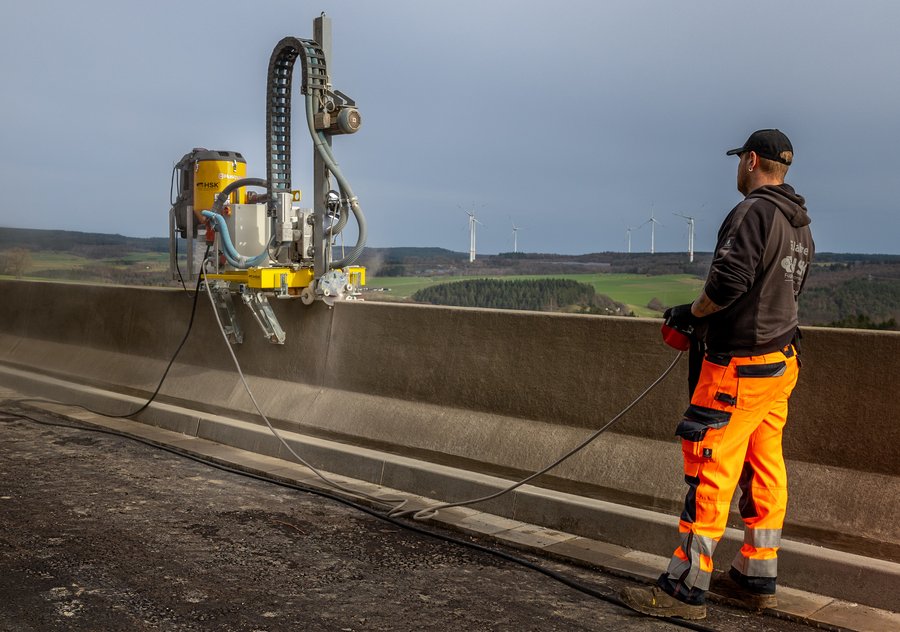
<point x="681" y="318"/>
<point x="679" y="328"/>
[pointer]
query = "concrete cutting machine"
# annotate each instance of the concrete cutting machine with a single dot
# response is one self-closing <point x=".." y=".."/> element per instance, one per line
<point x="262" y="243"/>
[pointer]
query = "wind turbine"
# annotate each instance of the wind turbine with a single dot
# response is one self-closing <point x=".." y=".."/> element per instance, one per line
<point x="472" y="226"/>
<point x="653" y="222"/>
<point x="516" y="230"/>
<point x="690" y="221"/>
<point x="628" y="230"/>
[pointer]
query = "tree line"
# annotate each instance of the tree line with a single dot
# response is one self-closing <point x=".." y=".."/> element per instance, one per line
<point x="526" y="294"/>
<point x="864" y="303"/>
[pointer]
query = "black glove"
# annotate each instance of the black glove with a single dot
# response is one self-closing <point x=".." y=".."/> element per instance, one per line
<point x="681" y="319"/>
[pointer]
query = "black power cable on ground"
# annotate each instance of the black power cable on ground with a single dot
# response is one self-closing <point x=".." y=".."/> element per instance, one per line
<point x="403" y="524"/>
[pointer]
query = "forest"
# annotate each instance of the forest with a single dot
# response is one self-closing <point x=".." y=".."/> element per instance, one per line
<point x="862" y="303"/>
<point x="549" y="295"/>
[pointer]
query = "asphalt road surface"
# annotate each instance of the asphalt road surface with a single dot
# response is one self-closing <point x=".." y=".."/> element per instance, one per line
<point x="101" y="533"/>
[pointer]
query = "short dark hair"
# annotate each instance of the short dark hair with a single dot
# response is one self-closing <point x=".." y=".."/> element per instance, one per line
<point x="777" y="169"/>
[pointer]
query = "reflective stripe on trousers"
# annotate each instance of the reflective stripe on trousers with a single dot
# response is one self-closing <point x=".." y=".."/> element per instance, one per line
<point x="731" y="436"/>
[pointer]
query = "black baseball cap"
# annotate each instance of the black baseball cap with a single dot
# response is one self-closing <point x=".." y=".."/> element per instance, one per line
<point x="767" y="143"/>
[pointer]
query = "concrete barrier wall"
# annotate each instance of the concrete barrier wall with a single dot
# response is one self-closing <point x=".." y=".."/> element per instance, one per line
<point x="499" y="391"/>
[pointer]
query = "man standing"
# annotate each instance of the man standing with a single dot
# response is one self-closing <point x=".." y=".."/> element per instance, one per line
<point x="731" y="432"/>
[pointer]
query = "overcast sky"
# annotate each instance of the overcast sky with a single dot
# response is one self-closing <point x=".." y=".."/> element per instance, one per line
<point x="570" y="118"/>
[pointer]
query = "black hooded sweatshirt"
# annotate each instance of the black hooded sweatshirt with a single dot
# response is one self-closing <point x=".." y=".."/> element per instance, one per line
<point x="760" y="264"/>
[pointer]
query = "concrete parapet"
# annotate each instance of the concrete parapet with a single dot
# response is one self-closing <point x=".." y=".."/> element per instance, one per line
<point x="498" y="392"/>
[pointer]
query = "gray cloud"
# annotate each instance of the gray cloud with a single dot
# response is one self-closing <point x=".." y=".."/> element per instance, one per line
<point x="571" y="117"/>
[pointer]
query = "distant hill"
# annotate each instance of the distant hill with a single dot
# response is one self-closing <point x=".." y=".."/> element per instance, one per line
<point x="419" y="261"/>
<point x="406" y="253"/>
<point x="400" y="262"/>
<point x="90" y="245"/>
<point x="844" y="289"/>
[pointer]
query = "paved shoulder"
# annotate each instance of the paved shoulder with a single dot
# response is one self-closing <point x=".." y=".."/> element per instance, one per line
<point x="99" y="533"/>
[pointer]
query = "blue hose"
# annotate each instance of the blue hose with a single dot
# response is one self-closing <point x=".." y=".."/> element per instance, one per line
<point x="232" y="256"/>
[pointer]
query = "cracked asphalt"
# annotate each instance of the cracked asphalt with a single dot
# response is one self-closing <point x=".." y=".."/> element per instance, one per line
<point x="100" y="533"/>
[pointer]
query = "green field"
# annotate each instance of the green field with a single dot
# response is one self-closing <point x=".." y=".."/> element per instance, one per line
<point x="133" y="268"/>
<point x="41" y="261"/>
<point x="634" y="290"/>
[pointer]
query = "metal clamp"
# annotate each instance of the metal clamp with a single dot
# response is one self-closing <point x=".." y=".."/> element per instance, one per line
<point x="262" y="312"/>
<point x="225" y="306"/>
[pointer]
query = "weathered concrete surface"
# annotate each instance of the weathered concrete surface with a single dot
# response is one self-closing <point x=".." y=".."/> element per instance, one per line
<point x="495" y="391"/>
<point x="112" y="535"/>
<point x="98" y="533"/>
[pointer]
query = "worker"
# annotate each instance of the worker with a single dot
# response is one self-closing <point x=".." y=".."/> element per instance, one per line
<point x="731" y="432"/>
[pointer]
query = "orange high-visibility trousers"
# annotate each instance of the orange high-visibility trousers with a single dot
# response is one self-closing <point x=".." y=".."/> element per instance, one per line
<point x="731" y="436"/>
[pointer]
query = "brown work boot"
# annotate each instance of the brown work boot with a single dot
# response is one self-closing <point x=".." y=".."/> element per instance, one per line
<point x="658" y="603"/>
<point x="733" y="593"/>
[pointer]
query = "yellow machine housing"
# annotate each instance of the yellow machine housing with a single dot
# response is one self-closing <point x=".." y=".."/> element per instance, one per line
<point x="213" y="171"/>
<point x="201" y="175"/>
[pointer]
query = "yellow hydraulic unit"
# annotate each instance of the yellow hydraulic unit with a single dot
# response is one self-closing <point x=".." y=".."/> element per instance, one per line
<point x="214" y="173"/>
<point x="199" y="177"/>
